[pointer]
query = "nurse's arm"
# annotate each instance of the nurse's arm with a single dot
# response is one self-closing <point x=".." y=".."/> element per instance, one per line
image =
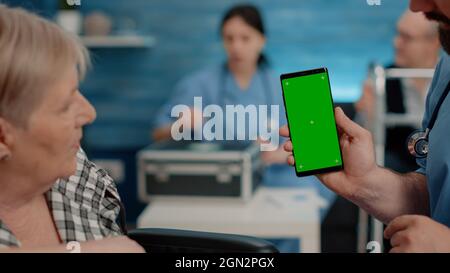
<point x="389" y="194"/>
<point x="162" y="133"/>
<point x="381" y="192"/>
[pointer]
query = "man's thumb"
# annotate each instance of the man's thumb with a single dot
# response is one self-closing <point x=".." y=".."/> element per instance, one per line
<point x="346" y="124"/>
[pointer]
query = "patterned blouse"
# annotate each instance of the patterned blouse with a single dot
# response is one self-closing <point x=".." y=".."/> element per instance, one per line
<point x="84" y="207"/>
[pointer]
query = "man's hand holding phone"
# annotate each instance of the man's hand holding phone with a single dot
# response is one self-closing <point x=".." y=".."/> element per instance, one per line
<point x="358" y="154"/>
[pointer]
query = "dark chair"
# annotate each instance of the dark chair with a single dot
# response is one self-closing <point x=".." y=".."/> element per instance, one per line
<point x="158" y="240"/>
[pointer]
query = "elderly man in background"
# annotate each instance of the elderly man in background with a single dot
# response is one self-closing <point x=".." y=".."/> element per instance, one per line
<point x="416" y="46"/>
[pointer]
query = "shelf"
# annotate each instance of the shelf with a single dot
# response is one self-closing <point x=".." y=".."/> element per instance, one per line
<point x="123" y="41"/>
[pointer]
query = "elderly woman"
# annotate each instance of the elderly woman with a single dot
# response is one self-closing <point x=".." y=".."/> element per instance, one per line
<point x="50" y="194"/>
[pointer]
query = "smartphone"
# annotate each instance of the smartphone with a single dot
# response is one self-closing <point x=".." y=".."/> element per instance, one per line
<point x="312" y="126"/>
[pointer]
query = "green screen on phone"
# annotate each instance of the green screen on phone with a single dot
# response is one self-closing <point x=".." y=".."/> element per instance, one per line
<point x="310" y="115"/>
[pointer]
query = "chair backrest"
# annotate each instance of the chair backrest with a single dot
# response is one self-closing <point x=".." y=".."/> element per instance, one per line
<point x="157" y="240"/>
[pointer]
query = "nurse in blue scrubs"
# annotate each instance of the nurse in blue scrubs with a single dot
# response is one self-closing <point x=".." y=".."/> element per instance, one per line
<point x="245" y="79"/>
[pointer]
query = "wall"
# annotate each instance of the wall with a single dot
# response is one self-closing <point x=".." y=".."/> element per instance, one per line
<point x="128" y="85"/>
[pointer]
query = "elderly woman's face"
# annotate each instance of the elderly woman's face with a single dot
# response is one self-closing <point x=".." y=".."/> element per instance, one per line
<point x="48" y="145"/>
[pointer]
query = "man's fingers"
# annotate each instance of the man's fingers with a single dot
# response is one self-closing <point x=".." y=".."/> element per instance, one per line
<point x="284" y="131"/>
<point x="290" y="160"/>
<point x="340" y="132"/>
<point x="398" y="239"/>
<point x="346" y="125"/>
<point x="288" y="146"/>
<point x="396" y="225"/>
<point x="397" y="250"/>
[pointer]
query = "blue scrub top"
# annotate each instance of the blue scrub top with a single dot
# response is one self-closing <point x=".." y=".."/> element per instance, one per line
<point x="436" y="166"/>
<point x="207" y="83"/>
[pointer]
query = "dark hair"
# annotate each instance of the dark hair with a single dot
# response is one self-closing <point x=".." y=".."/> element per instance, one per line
<point x="251" y="15"/>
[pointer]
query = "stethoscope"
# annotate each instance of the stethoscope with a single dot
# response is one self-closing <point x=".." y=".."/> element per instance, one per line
<point x="418" y="140"/>
<point x="222" y="84"/>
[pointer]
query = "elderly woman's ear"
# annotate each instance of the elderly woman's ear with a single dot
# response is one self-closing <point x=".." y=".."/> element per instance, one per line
<point x="5" y="140"/>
